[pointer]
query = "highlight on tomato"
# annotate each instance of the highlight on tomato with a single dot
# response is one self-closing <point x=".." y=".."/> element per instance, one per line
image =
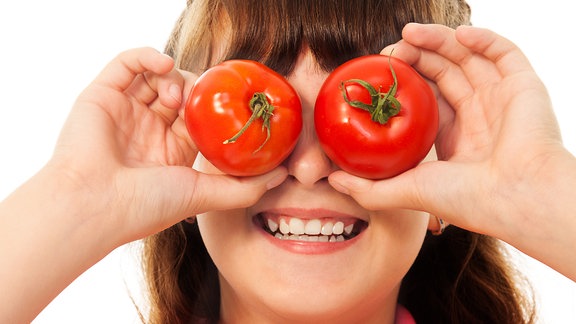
<point x="243" y="117"/>
<point x="376" y="117"/>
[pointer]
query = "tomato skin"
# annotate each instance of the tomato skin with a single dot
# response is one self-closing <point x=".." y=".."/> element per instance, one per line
<point x="218" y="108"/>
<point x="366" y="148"/>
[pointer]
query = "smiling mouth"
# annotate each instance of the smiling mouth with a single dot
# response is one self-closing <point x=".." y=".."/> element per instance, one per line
<point x="324" y="230"/>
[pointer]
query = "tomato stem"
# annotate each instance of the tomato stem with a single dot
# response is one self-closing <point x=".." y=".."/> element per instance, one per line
<point x="261" y="108"/>
<point x="383" y="106"/>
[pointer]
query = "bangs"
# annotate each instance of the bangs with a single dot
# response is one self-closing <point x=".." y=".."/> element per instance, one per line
<point x="277" y="38"/>
<point x="275" y="32"/>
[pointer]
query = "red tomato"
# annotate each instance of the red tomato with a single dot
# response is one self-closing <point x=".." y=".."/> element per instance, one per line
<point x="390" y="141"/>
<point x="243" y="95"/>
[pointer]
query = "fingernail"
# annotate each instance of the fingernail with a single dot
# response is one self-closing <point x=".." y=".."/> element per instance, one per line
<point x="339" y="187"/>
<point x="276" y="180"/>
<point x="413" y="24"/>
<point x="464" y="27"/>
<point x="388" y="49"/>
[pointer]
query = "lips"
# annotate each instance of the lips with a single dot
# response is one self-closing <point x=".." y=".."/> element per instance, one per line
<point x="305" y="229"/>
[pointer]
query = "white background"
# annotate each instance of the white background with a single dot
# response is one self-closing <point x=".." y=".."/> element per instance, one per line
<point x="50" y="50"/>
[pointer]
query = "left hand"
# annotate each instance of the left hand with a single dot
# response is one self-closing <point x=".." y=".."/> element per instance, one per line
<point x="502" y="164"/>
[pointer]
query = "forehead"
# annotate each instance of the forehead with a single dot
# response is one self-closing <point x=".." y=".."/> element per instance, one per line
<point x="307" y="77"/>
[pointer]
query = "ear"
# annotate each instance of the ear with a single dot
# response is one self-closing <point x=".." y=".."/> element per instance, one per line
<point x="436" y="225"/>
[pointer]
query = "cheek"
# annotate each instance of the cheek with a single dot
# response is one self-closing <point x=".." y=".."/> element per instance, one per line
<point x="232" y="248"/>
<point x="224" y="235"/>
<point x="398" y="238"/>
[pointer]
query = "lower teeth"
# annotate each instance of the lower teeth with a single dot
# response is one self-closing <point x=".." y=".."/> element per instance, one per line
<point x="310" y="238"/>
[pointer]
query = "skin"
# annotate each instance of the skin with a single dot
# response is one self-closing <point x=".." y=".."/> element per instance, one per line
<point x="264" y="283"/>
<point x="498" y="136"/>
<point x="120" y="172"/>
<point x="141" y="182"/>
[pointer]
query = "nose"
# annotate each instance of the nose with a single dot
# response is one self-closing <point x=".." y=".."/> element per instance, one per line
<point x="308" y="164"/>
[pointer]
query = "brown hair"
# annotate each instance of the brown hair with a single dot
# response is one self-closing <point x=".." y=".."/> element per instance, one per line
<point x="459" y="277"/>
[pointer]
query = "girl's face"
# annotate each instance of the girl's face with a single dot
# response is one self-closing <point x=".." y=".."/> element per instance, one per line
<point x="270" y="272"/>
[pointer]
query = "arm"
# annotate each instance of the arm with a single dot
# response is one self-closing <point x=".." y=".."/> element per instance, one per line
<point x="121" y="170"/>
<point x="502" y="168"/>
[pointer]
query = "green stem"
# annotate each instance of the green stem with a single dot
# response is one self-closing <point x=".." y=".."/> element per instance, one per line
<point x="261" y="108"/>
<point x="383" y="106"/>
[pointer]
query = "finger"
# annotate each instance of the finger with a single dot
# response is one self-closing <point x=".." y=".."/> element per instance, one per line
<point x="173" y="89"/>
<point x="174" y="193"/>
<point x="142" y="91"/>
<point x="179" y="128"/>
<point x="443" y="41"/>
<point x="361" y="190"/>
<point x="121" y="72"/>
<point x="428" y="187"/>
<point x="444" y="147"/>
<point x="234" y="192"/>
<point x="163" y="196"/>
<point x="411" y="54"/>
<point x="149" y="87"/>
<point x="506" y="55"/>
<point x="167" y="93"/>
<point x="451" y="80"/>
<point x="402" y="50"/>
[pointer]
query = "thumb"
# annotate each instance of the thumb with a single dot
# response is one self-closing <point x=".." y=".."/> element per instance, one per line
<point x="431" y="187"/>
<point x="164" y="196"/>
<point x="222" y="192"/>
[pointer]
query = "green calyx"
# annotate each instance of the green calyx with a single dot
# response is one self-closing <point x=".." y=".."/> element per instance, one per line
<point x="261" y="108"/>
<point x="383" y="106"/>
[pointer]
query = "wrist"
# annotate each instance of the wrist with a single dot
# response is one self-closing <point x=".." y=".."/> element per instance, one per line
<point x="48" y="239"/>
<point x="538" y="218"/>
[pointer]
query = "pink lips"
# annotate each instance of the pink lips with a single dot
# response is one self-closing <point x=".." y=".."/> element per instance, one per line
<point x="309" y="231"/>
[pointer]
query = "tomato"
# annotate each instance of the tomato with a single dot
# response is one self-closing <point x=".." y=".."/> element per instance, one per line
<point x="243" y="117"/>
<point x="391" y="139"/>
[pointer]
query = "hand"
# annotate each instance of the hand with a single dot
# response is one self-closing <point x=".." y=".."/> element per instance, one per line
<point x="126" y="150"/>
<point x="121" y="170"/>
<point x="502" y="163"/>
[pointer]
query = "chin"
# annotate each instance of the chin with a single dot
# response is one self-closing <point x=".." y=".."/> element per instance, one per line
<point x="324" y="304"/>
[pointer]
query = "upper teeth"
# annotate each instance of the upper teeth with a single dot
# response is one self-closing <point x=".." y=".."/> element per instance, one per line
<point x="298" y="226"/>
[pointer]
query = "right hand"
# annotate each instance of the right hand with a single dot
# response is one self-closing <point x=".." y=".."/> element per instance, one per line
<point x="126" y="155"/>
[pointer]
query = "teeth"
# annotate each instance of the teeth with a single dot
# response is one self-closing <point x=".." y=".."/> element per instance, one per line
<point x="284" y="227"/>
<point x="314" y="230"/>
<point x="296" y="226"/>
<point x="313" y="238"/>
<point x="327" y="228"/>
<point x="310" y="238"/>
<point x="348" y="229"/>
<point x="338" y="228"/>
<point x="313" y="227"/>
<point x="272" y="225"/>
